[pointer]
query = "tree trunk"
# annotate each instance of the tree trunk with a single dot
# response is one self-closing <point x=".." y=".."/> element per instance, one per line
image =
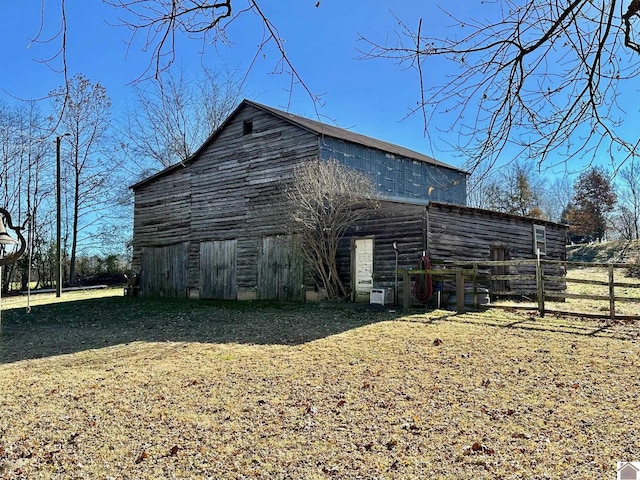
<point x="74" y="231"/>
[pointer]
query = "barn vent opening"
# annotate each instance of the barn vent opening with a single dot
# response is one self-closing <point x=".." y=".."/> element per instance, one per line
<point x="247" y="127"/>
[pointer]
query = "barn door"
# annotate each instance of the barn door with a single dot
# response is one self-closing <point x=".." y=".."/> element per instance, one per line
<point x="280" y="270"/>
<point x="164" y="270"/>
<point x="363" y="268"/>
<point x="499" y="254"/>
<point x="218" y="270"/>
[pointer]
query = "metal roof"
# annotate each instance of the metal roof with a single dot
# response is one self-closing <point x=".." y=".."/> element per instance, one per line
<point x="483" y="211"/>
<point x="313" y="126"/>
<point x="349" y="136"/>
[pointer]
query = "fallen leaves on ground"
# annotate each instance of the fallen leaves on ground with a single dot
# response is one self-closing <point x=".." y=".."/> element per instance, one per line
<point x="501" y="397"/>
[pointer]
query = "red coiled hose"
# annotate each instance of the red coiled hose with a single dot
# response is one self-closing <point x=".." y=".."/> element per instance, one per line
<point x="423" y="286"/>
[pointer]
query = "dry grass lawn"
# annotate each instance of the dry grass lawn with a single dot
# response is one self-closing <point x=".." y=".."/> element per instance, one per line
<point x="134" y="388"/>
<point x="626" y="292"/>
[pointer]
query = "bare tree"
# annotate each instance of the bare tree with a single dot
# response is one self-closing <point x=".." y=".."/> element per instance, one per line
<point x="516" y="189"/>
<point x="537" y="78"/>
<point x="24" y="176"/>
<point x="10" y="180"/>
<point x="172" y="118"/>
<point x="85" y="117"/>
<point x="324" y="199"/>
<point x="628" y="211"/>
<point x="11" y="160"/>
<point x="557" y="197"/>
<point x="35" y="180"/>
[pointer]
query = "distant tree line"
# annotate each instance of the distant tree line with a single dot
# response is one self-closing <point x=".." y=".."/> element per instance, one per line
<point x="100" y="156"/>
<point x="111" y="270"/>
<point x="596" y="205"/>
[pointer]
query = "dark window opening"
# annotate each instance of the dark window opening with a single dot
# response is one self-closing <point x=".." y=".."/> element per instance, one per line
<point x="247" y="127"/>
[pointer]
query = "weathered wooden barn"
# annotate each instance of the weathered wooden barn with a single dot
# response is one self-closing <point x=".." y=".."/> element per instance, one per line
<point x="212" y="226"/>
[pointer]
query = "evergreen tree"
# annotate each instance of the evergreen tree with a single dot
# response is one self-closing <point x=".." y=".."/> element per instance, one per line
<point x="593" y="199"/>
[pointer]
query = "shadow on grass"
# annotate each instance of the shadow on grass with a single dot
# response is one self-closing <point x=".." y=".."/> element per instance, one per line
<point x="517" y="320"/>
<point x="63" y="328"/>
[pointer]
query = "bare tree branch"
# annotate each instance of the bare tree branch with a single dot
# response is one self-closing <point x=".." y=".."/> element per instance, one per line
<point x="160" y="21"/>
<point x="633" y="10"/>
<point x="540" y="80"/>
<point x="60" y="55"/>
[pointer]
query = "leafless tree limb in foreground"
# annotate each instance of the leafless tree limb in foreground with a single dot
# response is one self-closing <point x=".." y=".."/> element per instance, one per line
<point x="543" y="79"/>
<point x="60" y="54"/>
<point x="160" y="22"/>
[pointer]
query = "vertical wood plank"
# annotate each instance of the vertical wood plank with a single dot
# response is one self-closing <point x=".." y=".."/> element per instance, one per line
<point x="612" y="298"/>
<point x="218" y="269"/>
<point x="459" y="291"/>
<point x="164" y="270"/>
<point x="540" y="284"/>
<point x="406" y="290"/>
<point x="280" y="270"/>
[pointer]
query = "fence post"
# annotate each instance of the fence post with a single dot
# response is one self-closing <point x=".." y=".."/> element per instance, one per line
<point x="475" y="284"/>
<point x="540" y="284"/>
<point x="406" y="290"/>
<point x="612" y="300"/>
<point x="459" y="291"/>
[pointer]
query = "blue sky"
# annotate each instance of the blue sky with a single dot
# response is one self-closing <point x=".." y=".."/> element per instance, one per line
<point x="370" y="97"/>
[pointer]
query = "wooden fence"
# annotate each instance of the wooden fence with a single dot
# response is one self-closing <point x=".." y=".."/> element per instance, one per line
<point x="536" y="285"/>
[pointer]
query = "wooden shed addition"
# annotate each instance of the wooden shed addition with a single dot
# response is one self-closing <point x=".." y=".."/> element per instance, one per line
<point x="451" y="234"/>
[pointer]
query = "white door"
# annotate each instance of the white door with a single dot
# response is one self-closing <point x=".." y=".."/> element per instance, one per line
<point x="363" y="269"/>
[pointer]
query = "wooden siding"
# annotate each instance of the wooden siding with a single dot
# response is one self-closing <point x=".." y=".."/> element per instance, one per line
<point x="232" y="190"/>
<point x="449" y="234"/>
<point x="162" y="213"/>
<point x="464" y="234"/>
<point x="164" y="270"/>
<point x="218" y="272"/>
<point x="237" y="185"/>
<point x="280" y="270"/>
<point x="392" y="222"/>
